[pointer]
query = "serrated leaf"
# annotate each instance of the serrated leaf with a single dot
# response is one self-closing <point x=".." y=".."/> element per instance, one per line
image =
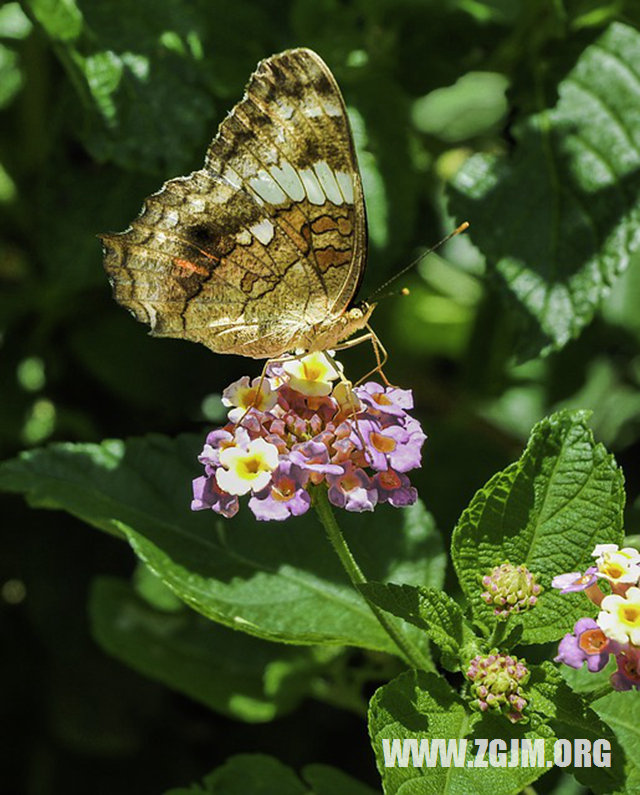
<point x="548" y="511"/>
<point x="558" y="219"/>
<point x="621" y="711"/>
<point x="570" y="716"/>
<point x="422" y="706"/>
<point x="431" y="611"/>
<point x="276" y="581"/>
<point x="225" y="670"/>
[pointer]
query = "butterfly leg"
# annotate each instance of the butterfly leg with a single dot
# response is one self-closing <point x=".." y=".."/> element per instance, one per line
<point x="378" y="349"/>
<point x="351" y="400"/>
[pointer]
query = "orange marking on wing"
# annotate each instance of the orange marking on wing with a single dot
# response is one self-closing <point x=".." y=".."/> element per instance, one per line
<point x="186" y="265"/>
<point x="323" y="224"/>
<point x="206" y="253"/>
<point x="331" y="257"/>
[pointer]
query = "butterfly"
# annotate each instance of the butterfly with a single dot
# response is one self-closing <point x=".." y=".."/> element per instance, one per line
<point x="262" y="251"/>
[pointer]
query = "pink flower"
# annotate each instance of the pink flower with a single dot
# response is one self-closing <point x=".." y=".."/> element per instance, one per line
<point x="628" y="674"/>
<point x="395" y="488"/>
<point x="588" y="643"/>
<point x="352" y="490"/>
<point x="285" y="496"/>
<point x="574" y="581"/>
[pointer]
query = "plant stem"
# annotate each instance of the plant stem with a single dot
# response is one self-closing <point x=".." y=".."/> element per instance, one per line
<point x="408" y="651"/>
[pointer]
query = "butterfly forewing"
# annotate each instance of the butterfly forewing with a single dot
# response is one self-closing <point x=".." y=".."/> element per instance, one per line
<point x="248" y="254"/>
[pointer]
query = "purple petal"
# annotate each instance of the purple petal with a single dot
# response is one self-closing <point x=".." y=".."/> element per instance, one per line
<point x="207" y="495"/>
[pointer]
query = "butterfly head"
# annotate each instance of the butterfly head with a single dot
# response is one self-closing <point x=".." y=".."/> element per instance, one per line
<point x="360" y="313"/>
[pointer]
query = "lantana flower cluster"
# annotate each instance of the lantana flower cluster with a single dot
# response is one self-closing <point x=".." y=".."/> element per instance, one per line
<point x="302" y="425"/>
<point x="497" y="681"/>
<point x="616" y="630"/>
<point x="510" y="589"/>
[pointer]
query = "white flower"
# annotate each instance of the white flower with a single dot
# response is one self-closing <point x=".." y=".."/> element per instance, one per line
<point x="619" y="617"/>
<point x="245" y="395"/>
<point x="312" y="374"/>
<point x="247" y="469"/>
<point x="617" y="565"/>
<point x="602" y="549"/>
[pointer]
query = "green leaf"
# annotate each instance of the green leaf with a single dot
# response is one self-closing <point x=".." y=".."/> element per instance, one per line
<point x="556" y="220"/>
<point x="259" y="774"/>
<point x="586" y="682"/>
<point x="431" y="611"/>
<point x="278" y="581"/>
<point x="153" y="591"/>
<point x="10" y="78"/>
<point x="422" y="706"/>
<point x="621" y="711"/>
<point x="570" y="716"/>
<point x="470" y="107"/>
<point x="327" y="780"/>
<point x="230" y="672"/>
<point x="548" y="510"/>
<point x="61" y="19"/>
<point x="14" y="23"/>
<point x="391" y="184"/>
<point x="146" y="99"/>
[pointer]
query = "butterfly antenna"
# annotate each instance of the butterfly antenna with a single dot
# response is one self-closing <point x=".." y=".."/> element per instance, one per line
<point x="392" y="294"/>
<point x="462" y="228"/>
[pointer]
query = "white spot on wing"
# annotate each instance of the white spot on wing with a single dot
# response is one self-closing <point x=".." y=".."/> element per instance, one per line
<point x="267" y="189"/>
<point x="197" y="204"/>
<point x="331" y="106"/>
<point x="328" y="182"/>
<point x="312" y="186"/>
<point x="289" y="181"/>
<point x="232" y="178"/>
<point x="244" y="237"/>
<point x="286" y="110"/>
<point x="263" y="230"/>
<point x="171" y="218"/>
<point x="312" y="111"/>
<point x="345" y="182"/>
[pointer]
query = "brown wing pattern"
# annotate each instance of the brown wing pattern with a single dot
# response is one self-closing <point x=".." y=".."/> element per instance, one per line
<point x="268" y="240"/>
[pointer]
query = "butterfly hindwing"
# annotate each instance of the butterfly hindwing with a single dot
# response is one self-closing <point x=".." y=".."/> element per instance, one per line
<point x="269" y="239"/>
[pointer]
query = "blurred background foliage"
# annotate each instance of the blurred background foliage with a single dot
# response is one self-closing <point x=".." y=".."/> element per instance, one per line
<point x="452" y="104"/>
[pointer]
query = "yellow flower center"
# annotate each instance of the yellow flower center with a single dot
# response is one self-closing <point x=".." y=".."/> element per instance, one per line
<point x="630" y="614"/>
<point x="251" y="466"/>
<point x="313" y="371"/>
<point x="613" y="570"/>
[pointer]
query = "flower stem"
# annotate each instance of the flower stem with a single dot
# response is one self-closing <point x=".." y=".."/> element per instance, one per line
<point x="408" y="651"/>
